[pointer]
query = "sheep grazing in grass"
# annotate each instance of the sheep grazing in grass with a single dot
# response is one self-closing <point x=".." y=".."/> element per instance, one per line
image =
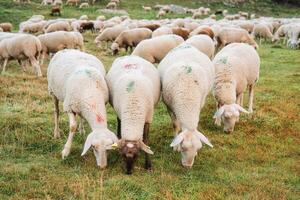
<point x="148" y="49"/>
<point x="130" y="38"/>
<point x="87" y="26"/>
<point x="111" y="5"/>
<point x="58" y="3"/>
<point x="294" y="36"/>
<point x="6" y="27"/>
<point x="67" y="70"/>
<point x="73" y="2"/>
<point x="262" y="31"/>
<point x="58" y="26"/>
<point x="236" y="68"/>
<point x="84" y="5"/>
<point x="203" y="43"/>
<point x="36" y="27"/>
<point x="21" y="47"/>
<point x="229" y="35"/>
<point x="134" y="91"/>
<point x="160" y="14"/>
<point x="47" y="2"/>
<point x="55" y="10"/>
<point x="187" y="77"/>
<point x="110" y="34"/>
<point x="162" y="31"/>
<point x="147" y="8"/>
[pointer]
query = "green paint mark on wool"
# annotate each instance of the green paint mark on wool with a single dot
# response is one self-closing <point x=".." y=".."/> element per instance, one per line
<point x="223" y="60"/>
<point x="88" y="72"/>
<point x="130" y="86"/>
<point x="187" y="69"/>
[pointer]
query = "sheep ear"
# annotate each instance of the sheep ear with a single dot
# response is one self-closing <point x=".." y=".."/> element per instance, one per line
<point x="178" y="139"/>
<point x="145" y="148"/>
<point x="218" y="115"/>
<point x="204" y="139"/>
<point x="240" y="108"/>
<point x="88" y="143"/>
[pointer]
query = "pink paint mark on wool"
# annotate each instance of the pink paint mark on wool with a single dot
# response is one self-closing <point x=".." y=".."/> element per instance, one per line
<point x="99" y="118"/>
<point x="130" y="66"/>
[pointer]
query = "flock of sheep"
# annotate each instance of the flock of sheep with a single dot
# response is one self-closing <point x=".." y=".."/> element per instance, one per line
<point x="194" y="58"/>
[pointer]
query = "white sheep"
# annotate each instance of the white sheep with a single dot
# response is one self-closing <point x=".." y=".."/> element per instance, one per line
<point x="111" y="5"/>
<point x="101" y="18"/>
<point x="33" y="27"/>
<point x="160" y="14"/>
<point x="56" y="41"/>
<point x="58" y="26"/>
<point x="229" y="35"/>
<point x="21" y="47"/>
<point x="73" y="2"/>
<point x="293" y="36"/>
<point x="67" y="70"/>
<point x="84" y="5"/>
<point x="46" y="2"/>
<point x="147" y="8"/>
<point x="83" y="17"/>
<point x="110" y="34"/>
<point x="134" y="87"/>
<point x="203" y="43"/>
<point x="236" y="67"/>
<point x="262" y="31"/>
<point x="164" y="30"/>
<point x="130" y="38"/>
<point x="187" y="76"/>
<point x="58" y="3"/>
<point x="155" y="49"/>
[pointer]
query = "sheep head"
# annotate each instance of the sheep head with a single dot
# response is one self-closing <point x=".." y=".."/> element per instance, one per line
<point x="130" y="150"/>
<point x="188" y="143"/>
<point x="101" y="141"/>
<point x="229" y="115"/>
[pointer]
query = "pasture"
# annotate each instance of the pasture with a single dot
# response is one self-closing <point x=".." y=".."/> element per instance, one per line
<point x="259" y="160"/>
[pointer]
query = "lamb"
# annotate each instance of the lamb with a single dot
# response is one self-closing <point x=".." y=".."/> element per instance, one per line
<point x="84" y="5"/>
<point x="229" y="35"/>
<point x="183" y="32"/>
<point x="236" y="67"/>
<point x="37" y="27"/>
<point x="110" y="34"/>
<point x="148" y="49"/>
<point x="58" y="26"/>
<point x="134" y="88"/>
<point x="56" y="41"/>
<point x="73" y="2"/>
<point x="130" y="38"/>
<point x="262" y="31"/>
<point x="6" y="27"/>
<point x="67" y="70"/>
<point x="55" y="10"/>
<point x="187" y="76"/>
<point x="203" y="43"/>
<point x="87" y="26"/>
<point x="21" y="47"/>
<point x="162" y="31"/>
<point x="111" y="5"/>
<point x="147" y="8"/>
<point x="160" y="14"/>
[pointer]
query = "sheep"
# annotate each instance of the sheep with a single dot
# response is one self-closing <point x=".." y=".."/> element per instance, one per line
<point x="162" y="31"/>
<point x="225" y="12"/>
<point x="110" y="34"/>
<point x="67" y="70"/>
<point x="56" y="41"/>
<point x="111" y="5"/>
<point x="294" y="35"/>
<point x="203" y="30"/>
<point x="37" y="27"/>
<point x="6" y="27"/>
<point x="83" y="17"/>
<point x="236" y="68"/>
<point x="58" y="26"/>
<point x="115" y="1"/>
<point x="134" y="88"/>
<point x="55" y="10"/>
<point x="160" y="14"/>
<point x="243" y="14"/>
<point x="197" y="15"/>
<point x="73" y="2"/>
<point x="147" y="8"/>
<point x="229" y="35"/>
<point x="87" y="26"/>
<point x="47" y="2"/>
<point x="261" y="30"/>
<point x="84" y="5"/>
<point x="183" y="32"/>
<point x="247" y="25"/>
<point x="98" y="25"/>
<point x="130" y="38"/>
<point x="151" y="26"/>
<point x="21" y="47"/>
<point x="281" y="32"/>
<point x="101" y="18"/>
<point x="203" y="43"/>
<point x="58" y="3"/>
<point x="186" y="76"/>
<point x="148" y="49"/>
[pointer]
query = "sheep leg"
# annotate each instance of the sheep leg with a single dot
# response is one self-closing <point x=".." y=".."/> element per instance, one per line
<point x="239" y="99"/>
<point x="56" y="116"/>
<point x="119" y="128"/>
<point x="251" y="94"/>
<point x="4" y="65"/>
<point x="73" y="127"/>
<point x="148" y="164"/>
<point x="81" y="126"/>
<point x="175" y="122"/>
<point x="36" y="66"/>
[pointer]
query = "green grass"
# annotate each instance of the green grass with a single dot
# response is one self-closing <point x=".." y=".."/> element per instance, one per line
<point x="260" y="160"/>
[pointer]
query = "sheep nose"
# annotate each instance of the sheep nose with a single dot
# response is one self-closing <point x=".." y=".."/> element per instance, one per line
<point x="228" y="130"/>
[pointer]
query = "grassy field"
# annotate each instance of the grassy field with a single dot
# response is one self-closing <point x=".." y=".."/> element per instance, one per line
<point x="260" y="160"/>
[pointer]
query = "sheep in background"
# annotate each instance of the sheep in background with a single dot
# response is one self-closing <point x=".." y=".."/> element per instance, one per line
<point x="111" y="5"/>
<point x="55" y="10"/>
<point x="110" y="34"/>
<point x="134" y="91"/>
<point x="84" y="5"/>
<point x="47" y="2"/>
<point x="262" y="31"/>
<point x="58" y="3"/>
<point x="203" y="43"/>
<point x="21" y="47"/>
<point x="160" y="14"/>
<point x="236" y="68"/>
<point x="147" y="8"/>
<point x="6" y="27"/>
<point x="73" y="2"/>
<point x="67" y="70"/>
<point x="187" y="77"/>
<point x="58" y="26"/>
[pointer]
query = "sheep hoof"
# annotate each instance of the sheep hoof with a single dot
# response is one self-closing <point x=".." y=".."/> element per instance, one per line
<point x="56" y="134"/>
<point x="65" y="153"/>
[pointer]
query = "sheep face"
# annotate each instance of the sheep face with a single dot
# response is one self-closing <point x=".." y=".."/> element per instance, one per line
<point x="115" y="48"/>
<point x="189" y="143"/>
<point x="130" y="150"/>
<point x="229" y="115"/>
<point x="100" y="141"/>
